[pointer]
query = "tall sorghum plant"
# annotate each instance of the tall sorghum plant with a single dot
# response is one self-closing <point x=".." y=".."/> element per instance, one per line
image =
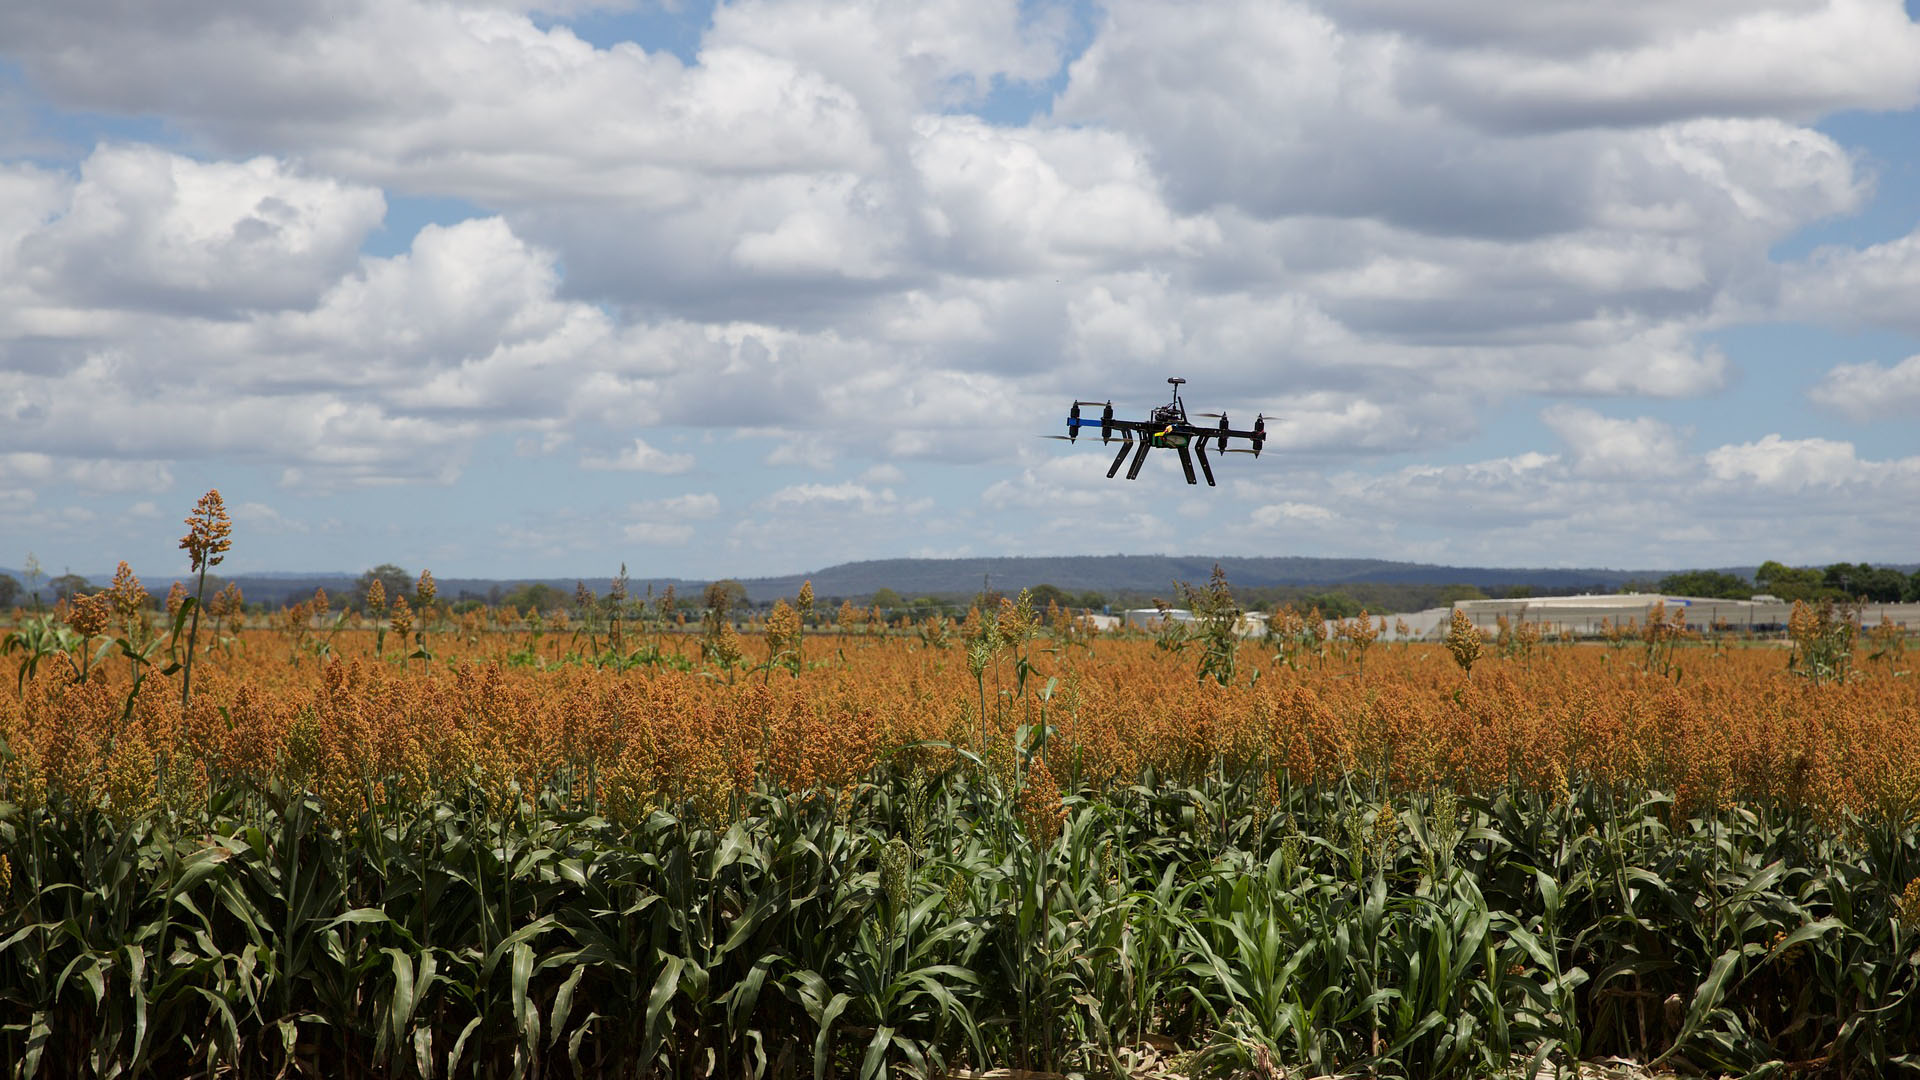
<point x="1218" y="616"/>
<point x="206" y="544"/>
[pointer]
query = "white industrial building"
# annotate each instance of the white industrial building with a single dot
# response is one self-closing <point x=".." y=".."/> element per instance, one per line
<point x="1586" y="616"/>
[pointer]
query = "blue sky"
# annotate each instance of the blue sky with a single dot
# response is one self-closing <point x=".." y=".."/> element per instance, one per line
<point x="755" y="287"/>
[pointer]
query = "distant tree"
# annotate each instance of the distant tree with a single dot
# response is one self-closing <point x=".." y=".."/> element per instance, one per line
<point x="1050" y="594"/>
<point x="1911" y="594"/>
<point x="1884" y="586"/>
<point x="735" y="595"/>
<point x="1713" y="583"/>
<point x="1090" y="599"/>
<point x="9" y="591"/>
<point x="537" y="596"/>
<point x="1452" y="594"/>
<point x="1518" y="592"/>
<point x="886" y="599"/>
<point x="68" y="586"/>
<point x="1335" y="605"/>
<point x="395" y="581"/>
<point x="1789" y="582"/>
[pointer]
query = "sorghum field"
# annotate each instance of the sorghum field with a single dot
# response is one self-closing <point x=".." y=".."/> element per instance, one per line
<point x="404" y="842"/>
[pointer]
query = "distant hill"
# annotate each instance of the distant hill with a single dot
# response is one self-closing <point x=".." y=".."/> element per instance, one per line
<point x="1113" y="575"/>
<point x="1155" y="575"/>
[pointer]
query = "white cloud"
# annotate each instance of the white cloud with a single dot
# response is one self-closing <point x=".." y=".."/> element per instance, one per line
<point x="474" y="102"/>
<point x="1284" y="513"/>
<point x="1871" y="391"/>
<point x="658" y="533"/>
<point x="1789" y="464"/>
<point x="1869" y="286"/>
<point x="1378" y="221"/>
<point x="1795" y="58"/>
<point x="839" y="497"/>
<point x="1604" y="446"/>
<point x="148" y="228"/>
<point x="262" y="519"/>
<point x="807" y="450"/>
<point x="640" y="457"/>
<point x="694" y="506"/>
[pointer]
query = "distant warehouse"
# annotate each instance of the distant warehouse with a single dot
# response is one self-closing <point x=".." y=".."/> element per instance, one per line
<point x="1586" y="616"/>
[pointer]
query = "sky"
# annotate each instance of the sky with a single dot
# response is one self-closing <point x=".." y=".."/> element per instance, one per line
<point x="754" y="287"/>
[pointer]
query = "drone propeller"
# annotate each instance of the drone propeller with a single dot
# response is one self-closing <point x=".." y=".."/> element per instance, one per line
<point x="1212" y="415"/>
<point x="1093" y="403"/>
<point x="1062" y="438"/>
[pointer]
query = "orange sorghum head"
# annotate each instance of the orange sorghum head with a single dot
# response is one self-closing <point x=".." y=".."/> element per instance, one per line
<point x="128" y="595"/>
<point x="208" y="528"/>
<point x="88" y="615"/>
<point x="402" y="618"/>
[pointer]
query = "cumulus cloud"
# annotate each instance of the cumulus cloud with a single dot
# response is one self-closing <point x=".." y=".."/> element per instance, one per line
<point x="1790" y="464"/>
<point x="848" y="496"/>
<point x="692" y="506"/>
<point x="1605" y="446"/>
<point x="148" y="228"/>
<point x="1786" y="57"/>
<point x="640" y="457"/>
<point x="260" y="518"/>
<point x="1871" y="391"/>
<point x="1856" y="287"/>
<point x="1378" y="222"/>
<point x="658" y="533"/>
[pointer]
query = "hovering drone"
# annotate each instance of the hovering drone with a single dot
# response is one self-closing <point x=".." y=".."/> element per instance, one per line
<point x="1167" y="428"/>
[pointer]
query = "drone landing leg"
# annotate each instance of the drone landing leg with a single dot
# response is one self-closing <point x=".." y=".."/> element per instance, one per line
<point x="1186" y="463"/>
<point x="1205" y="469"/>
<point x="1117" y="459"/>
<point x="1139" y="456"/>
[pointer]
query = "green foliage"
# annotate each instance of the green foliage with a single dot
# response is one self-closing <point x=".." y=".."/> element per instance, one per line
<point x="724" y="597"/>
<point x="1216" y="617"/>
<point x="535" y="596"/>
<point x="1052" y="594"/>
<point x="1823" y="637"/>
<point x="909" y="924"/>
<point x="1863" y="582"/>
<point x="10" y="591"/>
<point x="1788" y="582"/>
<point x="1712" y="583"/>
<point x="68" y="586"/>
<point x="393" y="579"/>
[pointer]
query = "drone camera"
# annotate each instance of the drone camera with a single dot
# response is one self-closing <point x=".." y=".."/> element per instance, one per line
<point x="1167" y="427"/>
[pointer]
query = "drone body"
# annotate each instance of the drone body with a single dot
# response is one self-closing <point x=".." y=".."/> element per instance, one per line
<point x="1167" y="428"/>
